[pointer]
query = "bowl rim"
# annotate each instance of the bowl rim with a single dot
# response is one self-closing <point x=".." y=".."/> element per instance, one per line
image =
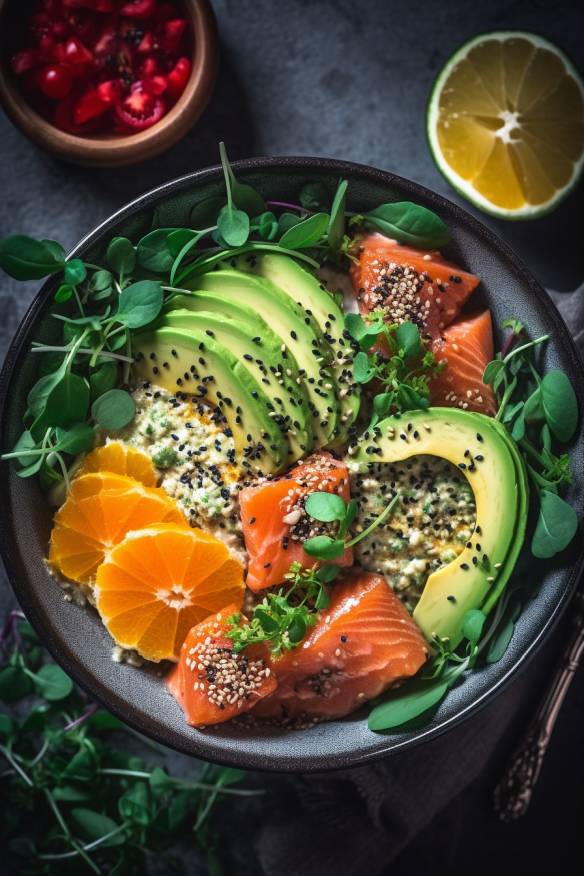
<point x="209" y="746"/>
<point x="173" y="125"/>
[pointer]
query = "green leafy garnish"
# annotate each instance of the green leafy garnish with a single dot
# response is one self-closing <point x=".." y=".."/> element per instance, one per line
<point x="79" y="803"/>
<point x="327" y="508"/>
<point x="538" y="409"/>
<point x="406" y="222"/>
<point x="282" y="618"/>
<point x="404" y="374"/>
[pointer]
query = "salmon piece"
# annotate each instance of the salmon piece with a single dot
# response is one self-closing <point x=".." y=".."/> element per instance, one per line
<point x="275" y="524"/>
<point x="248" y="671"/>
<point x="364" y="643"/>
<point x="466" y="346"/>
<point x="409" y="284"/>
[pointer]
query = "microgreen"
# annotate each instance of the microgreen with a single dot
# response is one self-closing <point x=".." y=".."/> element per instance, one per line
<point x="283" y="617"/>
<point x="329" y="508"/>
<point x="404" y="373"/>
<point x="407" y="223"/>
<point x="25" y="258"/>
<point x="536" y="409"/>
<point x="79" y="802"/>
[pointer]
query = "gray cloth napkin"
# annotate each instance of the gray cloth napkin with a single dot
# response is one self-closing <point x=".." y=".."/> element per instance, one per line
<point x="358" y="821"/>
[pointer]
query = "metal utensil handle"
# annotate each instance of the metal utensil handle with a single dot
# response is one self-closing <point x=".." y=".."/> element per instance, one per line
<point x="513" y="793"/>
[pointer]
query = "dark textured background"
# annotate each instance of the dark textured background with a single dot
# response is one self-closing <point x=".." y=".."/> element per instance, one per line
<point x="351" y="80"/>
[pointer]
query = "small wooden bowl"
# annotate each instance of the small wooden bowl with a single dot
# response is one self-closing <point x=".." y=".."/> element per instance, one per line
<point x="110" y="150"/>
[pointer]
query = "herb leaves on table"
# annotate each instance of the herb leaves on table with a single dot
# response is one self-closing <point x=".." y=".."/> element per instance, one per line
<point x="80" y="802"/>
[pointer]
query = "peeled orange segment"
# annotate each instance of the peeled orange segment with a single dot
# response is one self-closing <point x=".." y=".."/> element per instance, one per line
<point x="100" y="509"/>
<point x="120" y="459"/>
<point x="161" y="581"/>
<point x="506" y="124"/>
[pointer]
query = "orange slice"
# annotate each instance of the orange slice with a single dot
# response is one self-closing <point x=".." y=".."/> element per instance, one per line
<point x="120" y="459"/>
<point x="100" y="509"/>
<point x="161" y="581"/>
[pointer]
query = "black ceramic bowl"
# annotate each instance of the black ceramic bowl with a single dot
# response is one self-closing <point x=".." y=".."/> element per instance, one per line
<point x="76" y="637"/>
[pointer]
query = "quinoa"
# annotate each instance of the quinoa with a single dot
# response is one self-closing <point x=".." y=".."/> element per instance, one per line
<point x="429" y="527"/>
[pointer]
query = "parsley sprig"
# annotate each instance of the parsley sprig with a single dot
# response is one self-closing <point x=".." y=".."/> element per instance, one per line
<point x="79" y="802"/>
<point x="404" y="374"/>
<point x="283" y="618"/>
<point x="539" y="411"/>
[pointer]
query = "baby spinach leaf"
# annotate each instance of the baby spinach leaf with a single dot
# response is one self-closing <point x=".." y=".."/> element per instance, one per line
<point x="75" y="272"/>
<point x="323" y="547"/>
<point x="52" y="683"/>
<point x="76" y="439"/>
<point x="410" y="223"/>
<point x="246" y="198"/>
<point x="306" y="233"/>
<point x="63" y="293"/>
<point x="314" y="196"/>
<point x="233" y="226"/>
<point x="559" y="404"/>
<point x="114" y="409"/>
<point x="103" y="378"/>
<point x="205" y="213"/>
<point x="336" y="225"/>
<point x="502" y="638"/>
<point x="325" y="507"/>
<point x="556" y="525"/>
<point x="408" y="338"/>
<point x="93" y="825"/>
<point x="68" y="401"/>
<point x="286" y="221"/>
<point x="121" y="256"/>
<point x="25" y="258"/>
<point x="472" y="625"/>
<point x="139" y="303"/>
<point x="406" y="707"/>
<point x="153" y="250"/>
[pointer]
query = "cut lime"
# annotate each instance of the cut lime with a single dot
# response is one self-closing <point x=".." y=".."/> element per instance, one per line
<point x="506" y="124"/>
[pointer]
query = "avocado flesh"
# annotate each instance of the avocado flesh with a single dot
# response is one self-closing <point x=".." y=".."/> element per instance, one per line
<point x="280" y="364"/>
<point x="310" y="294"/>
<point x="283" y="406"/>
<point x="192" y="362"/>
<point x="452" y="434"/>
<point x="301" y="339"/>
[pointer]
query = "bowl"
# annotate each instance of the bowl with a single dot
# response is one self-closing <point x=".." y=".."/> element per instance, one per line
<point x="110" y="150"/>
<point x="75" y="635"/>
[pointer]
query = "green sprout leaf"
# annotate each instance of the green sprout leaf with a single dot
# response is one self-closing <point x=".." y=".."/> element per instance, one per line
<point x="75" y="272"/>
<point x="139" y="304"/>
<point x="114" y="409"/>
<point x="325" y="507"/>
<point x="336" y="225"/>
<point x="306" y="233"/>
<point x="556" y="525"/>
<point x="233" y="226"/>
<point x="472" y="625"/>
<point x="121" y="256"/>
<point x="52" y="683"/>
<point x="397" y="712"/>
<point x="409" y="223"/>
<point x="408" y="338"/>
<point x="323" y="547"/>
<point x="559" y="404"/>
<point x="25" y="258"/>
<point x="314" y="196"/>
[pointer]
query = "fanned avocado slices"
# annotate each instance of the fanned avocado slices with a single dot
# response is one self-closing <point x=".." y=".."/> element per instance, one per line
<point x="195" y="363"/>
<point x="301" y="338"/>
<point x="283" y="403"/>
<point x="317" y="302"/>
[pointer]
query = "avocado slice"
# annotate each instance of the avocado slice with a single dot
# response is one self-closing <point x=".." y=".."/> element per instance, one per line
<point x="314" y="298"/>
<point x="251" y="352"/>
<point x="474" y="444"/>
<point x="300" y="339"/>
<point x="193" y="362"/>
<point x="280" y="364"/>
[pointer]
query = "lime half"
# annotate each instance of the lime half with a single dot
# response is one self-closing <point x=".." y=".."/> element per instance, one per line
<point x="506" y="124"/>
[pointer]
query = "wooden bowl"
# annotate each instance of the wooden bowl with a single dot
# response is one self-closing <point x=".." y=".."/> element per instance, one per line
<point x="110" y="150"/>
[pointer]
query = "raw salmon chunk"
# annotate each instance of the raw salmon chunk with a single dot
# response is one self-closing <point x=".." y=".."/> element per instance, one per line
<point x="466" y="347"/>
<point x="363" y="643"/>
<point x="211" y="682"/>
<point x="409" y="284"/>
<point x="275" y="523"/>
